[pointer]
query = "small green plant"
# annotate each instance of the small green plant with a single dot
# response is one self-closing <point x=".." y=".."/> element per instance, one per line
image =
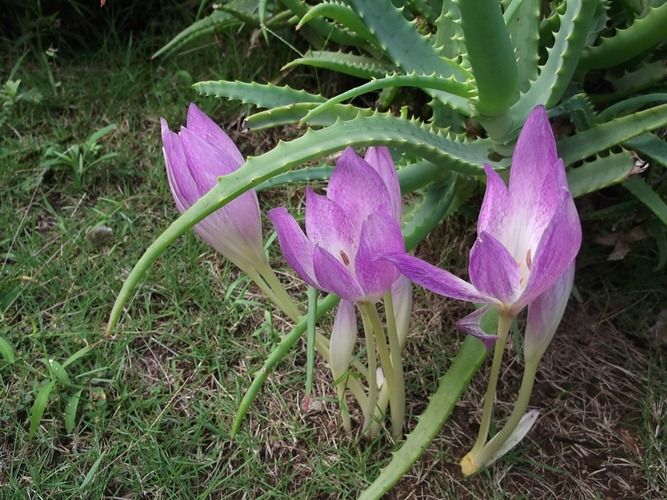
<point x="80" y="158"/>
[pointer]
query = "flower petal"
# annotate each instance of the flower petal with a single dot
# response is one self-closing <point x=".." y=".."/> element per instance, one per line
<point x="435" y="279"/>
<point x="545" y="313"/>
<point x="206" y="128"/>
<point x="296" y="248"/>
<point x="332" y="276"/>
<point x="206" y="161"/>
<point x="356" y="187"/>
<point x="183" y="187"/>
<point x="495" y="207"/>
<point x="555" y="252"/>
<point x="343" y="338"/>
<point x="380" y="159"/>
<point x="330" y="227"/>
<point x="379" y="234"/>
<point x="471" y="324"/>
<point x="520" y="431"/>
<point x="534" y="153"/>
<point x="493" y="271"/>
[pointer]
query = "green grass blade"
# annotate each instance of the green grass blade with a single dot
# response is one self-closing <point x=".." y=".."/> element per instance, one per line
<point x="38" y="407"/>
<point x="91" y="473"/>
<point x="6" y="351"/>
<point x="644" y="193"/>
<point x="70" y="411"/>
<point x="451" y="386"/>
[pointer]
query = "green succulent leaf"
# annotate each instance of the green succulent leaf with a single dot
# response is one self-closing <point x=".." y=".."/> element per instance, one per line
<point x="524" y="28"/>
<point x="449" y="35"/>
<point x="342" y="14"/>
<point x="348" y="64"/>
<point x="257" y="94"/>
<point x="491" y="55"/>
<point x="325" y="30"/>
<point x="631" y="82"/>
<point x="600" y="173"/>
<point x="625" y="44"/>
<point x="295" y="113"/>
<point x="651" y="146"/>
<point x="644" y="193"/>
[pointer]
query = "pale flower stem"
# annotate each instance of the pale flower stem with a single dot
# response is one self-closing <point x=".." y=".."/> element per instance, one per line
<point x="396" y="360"/>
<point x="279" y="295"/>
<point x="395" y="399"/>
<point x="488" y="451"/>
<point x="504" y="323"/>
<point x="369" y="409"/>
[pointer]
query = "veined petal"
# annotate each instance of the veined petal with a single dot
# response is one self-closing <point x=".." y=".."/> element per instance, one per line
<point x="183" y="187"/>
<point x="495" y="207"/>
<point x="296" y="248"/>
<point x="401" y="296"/>
<point x="203" y="126"/>
<point x="493" y="271"/>
<point x="356" y="187"/>
<point x="435" y="279"/>
<point x="555" y="252"/>
<point x="333" y="276"/>
<point x="379" y="234"/>
<point x="330" y="227"/>
<point x="471" y="324"/>
<point x="206" y="162"/>
<point x="545" y="313"/>
<point x="343" y="338"/>
<point x="379" y="158"/>
<point x="534" y="153"/>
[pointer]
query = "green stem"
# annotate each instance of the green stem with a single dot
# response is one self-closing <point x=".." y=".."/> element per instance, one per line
<point x="397" y="409"/>
<point x="369" y="408"/>
<point x="279" y="295"/>
<point x="504" y="323"/>
<point x="395" y="349"/>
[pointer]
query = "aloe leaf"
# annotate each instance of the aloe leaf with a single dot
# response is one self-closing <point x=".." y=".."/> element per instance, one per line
<point x="408" y="48"/>
<point x="606" y="135"/>
<point x="644" y="33"/>
<point x="491" y="55"/>
<point x="449" y="35"/>
<point x="295" y="113"/>
<point x="600" y="173"/>
<point x="644" y="193"/>
<point x="631" y="104"/>
<point x="631" y="82"/>
<point x="524" y="29"/>
<point x="217" y="21"/>
<point x="424" y="82"/>
<point x="260" y="95"/>
<point x="564" y="55"/>
<point x="38" y="407"/>
<point x="341" y="13"/>
<point x="6" y="351"/>
<point x="311" y="324"/>
<point x="451" y="385"/>
<point x="324" y="29"/>
<point x="348" y="64"/>
<point x="301" y="176"/>
<point x="650" y="145"/>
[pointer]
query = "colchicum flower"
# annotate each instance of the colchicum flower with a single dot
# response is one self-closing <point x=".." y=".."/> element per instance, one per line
<point x="196" y="157"/>
<point x="528" y="235"/>
<point x="346" y="231"/>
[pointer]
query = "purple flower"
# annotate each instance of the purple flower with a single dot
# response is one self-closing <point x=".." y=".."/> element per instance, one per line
<point x="195" y="158"/>
<point x="528" y="234"/>
<point x="347" y="229"/>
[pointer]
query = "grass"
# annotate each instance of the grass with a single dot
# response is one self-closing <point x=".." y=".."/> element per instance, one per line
<point x="157" y="398"/>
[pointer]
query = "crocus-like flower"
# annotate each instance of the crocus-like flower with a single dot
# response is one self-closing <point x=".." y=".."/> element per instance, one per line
<point x="347" y="229"/>
<point x="528" y="234"/>
<point x="195" y="157"/>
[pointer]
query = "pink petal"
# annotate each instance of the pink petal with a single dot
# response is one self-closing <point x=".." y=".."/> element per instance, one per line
<point x="435" y="279"/>
<point x="493" y="271"/>
<point x="545" y="313"/>
<point x="334" y="276"/>
<point x="296" y="248"/>
<point x="183" y="187"/>
<point x="380" y="159"/>
<point x="534" y="153"/>
<point x="495" y="207"/>
<point x="472" y="326"/>
<point x="330" y="227"/>
<point x="208" y="130"/>
<point x="356" y="187"/>
<point x="206" y="162"/>
<point x="556" y="250"/>
<point x="380" y="234"/>
<point x="343" y="338"/>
